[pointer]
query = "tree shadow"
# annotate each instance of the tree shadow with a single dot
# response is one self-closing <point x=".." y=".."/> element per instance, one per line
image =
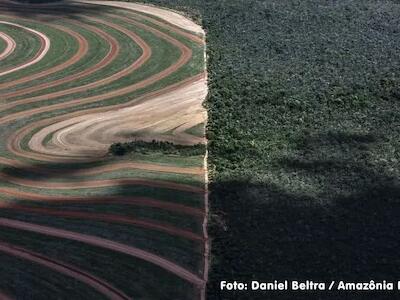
<point x="50" y="10"/>
<point x="57" y="169"/>
<point x="333" y="214"/>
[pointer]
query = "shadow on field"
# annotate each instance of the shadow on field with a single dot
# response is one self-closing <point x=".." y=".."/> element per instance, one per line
<point x="340" y="222"/>
<point x="59" y="169"/>
<point x="49" y="10"/>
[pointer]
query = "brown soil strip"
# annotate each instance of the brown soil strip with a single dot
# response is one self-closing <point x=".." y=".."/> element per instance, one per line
<point x="71" y="271"/>
<point x="10" y="45"/>
<point x="107" y="244"/>
<point x="126" y="200"/>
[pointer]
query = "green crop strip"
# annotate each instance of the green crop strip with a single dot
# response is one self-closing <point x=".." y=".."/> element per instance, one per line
<point x="27" y="45"/>
<point x="3" y="45"/>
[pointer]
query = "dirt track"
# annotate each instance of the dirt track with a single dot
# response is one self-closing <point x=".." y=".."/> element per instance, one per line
<point x="113" y="52"/>
<point x="13" y="143"/>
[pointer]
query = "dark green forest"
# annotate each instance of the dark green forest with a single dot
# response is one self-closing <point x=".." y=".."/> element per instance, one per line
<point x="304" y="141"/>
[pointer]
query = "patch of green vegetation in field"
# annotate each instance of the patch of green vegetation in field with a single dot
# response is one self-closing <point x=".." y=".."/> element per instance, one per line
<point x="197" y="130"/>
<point x="158" y="62"/>
<point x="21" y="277"/>
<point x="145" y="280"/>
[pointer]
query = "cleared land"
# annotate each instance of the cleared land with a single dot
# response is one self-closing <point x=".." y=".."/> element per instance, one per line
<point x="75" y="78"/>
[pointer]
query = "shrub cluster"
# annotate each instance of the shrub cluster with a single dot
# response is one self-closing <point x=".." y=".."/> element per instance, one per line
<point x="143" y="147"/>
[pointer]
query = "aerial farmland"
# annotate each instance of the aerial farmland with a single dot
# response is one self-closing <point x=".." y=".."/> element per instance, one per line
<point x="78" y="220"/>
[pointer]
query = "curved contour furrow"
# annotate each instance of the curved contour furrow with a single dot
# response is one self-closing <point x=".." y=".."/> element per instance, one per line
<point x="83" y="48"/>
<point x="10" y="45"/>
<point x="45" y="46"/>
<point x="14" y="141"/>
<point x="100" y="183"/>
<point x="110" y="218"/>
<point x="128" y="200"/>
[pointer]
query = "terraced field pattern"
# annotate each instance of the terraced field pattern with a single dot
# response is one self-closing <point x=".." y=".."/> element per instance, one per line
<point x="75" y="221"/>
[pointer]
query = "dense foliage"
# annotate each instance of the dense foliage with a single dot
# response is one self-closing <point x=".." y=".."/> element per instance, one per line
<point x="304" y="134"/>
<point x="143" y="147"/>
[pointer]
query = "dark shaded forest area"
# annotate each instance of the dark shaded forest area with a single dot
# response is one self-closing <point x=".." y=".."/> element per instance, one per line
<point x="304" y="135"/>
